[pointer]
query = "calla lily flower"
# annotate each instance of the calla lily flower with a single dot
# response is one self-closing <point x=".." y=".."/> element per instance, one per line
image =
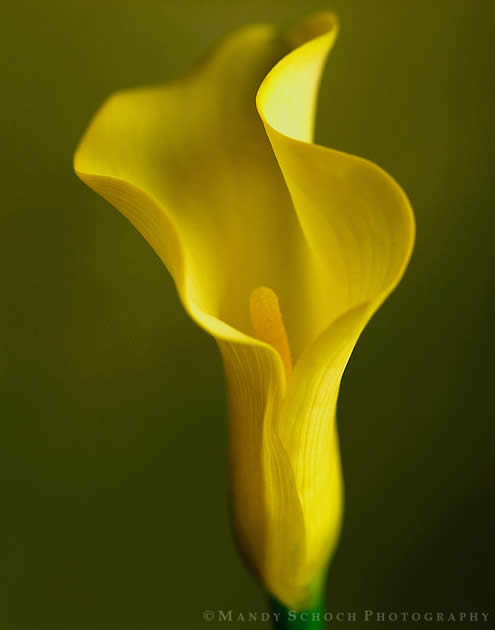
<point x="280" y="249"/>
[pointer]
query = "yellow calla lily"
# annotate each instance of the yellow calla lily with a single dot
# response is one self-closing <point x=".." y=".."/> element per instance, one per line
<point x="279" y="248"/>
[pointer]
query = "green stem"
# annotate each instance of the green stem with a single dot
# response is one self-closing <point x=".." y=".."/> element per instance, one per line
<point x="286" y="619"/>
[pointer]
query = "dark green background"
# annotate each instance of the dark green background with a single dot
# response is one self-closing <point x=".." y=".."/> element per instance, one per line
<point x="112" y="460"/>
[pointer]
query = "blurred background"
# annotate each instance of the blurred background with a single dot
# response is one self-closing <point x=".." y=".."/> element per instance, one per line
<point x="112" y="431"/>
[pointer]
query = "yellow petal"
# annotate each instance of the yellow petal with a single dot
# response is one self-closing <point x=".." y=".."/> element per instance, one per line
<point x="197" y="150"/>
<point x="192" y="168"/>
<point x="189" y="164"/>
<point x="360" y="229"/>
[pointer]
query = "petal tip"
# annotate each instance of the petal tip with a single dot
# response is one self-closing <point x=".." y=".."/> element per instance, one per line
<point x="315" y="25"/>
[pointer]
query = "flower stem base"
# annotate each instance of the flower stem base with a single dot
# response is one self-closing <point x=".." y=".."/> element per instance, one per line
<point x="286" y="619"/>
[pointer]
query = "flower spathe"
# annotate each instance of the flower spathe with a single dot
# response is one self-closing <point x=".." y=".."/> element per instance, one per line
<point x="219" y="173"/>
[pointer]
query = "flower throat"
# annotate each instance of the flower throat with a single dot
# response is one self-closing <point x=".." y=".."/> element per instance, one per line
<point x="268" y="324"/>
